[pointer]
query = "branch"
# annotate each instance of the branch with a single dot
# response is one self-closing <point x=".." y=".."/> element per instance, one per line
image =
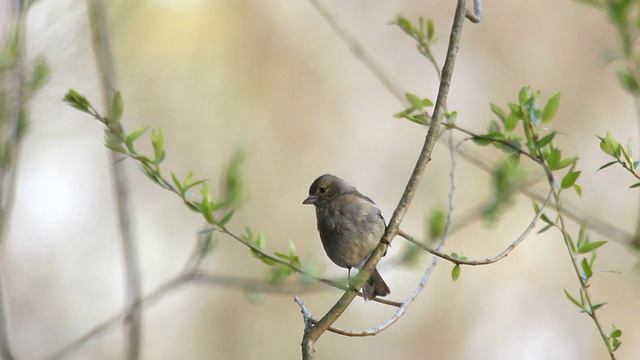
<point x="487" y="261"/>
<point x="156" y="294"/>
<point x="14" y="99"/>
<point x="475" y="16"/>
<point x="106" y="68"/>
<point x="359" y="51"/>
<point x="313" y="334"/>
<point x="591" y="309"/>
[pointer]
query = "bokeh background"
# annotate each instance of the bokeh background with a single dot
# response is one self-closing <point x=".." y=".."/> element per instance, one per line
<point x="272" y="77"/>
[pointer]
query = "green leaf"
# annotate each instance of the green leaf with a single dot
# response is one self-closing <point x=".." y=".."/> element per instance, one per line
<point x="615" y="344"/>
<point x="281" y="256"/>
<point x="206" y="193"/>
<point x="615" y="333"/>
<point x="587" y="273"/>
<point x="430" y="29"/>
<point x="207" y="212"/>
<point x="481" y="141"/>
<point x="455" y="272"/>
<point x="39" y="75"/>
<point x="569" y="179"/>
<point x="404" y="24"/>
<point x="573" y="300"/>
<point x="582" y="234"/>
<point x="607" y="165"/>
<point x="259" y="243"/>
<point x="566" y="162"/>
<point x="572" y="244"/>
<point x="510" y="122"/>
<point x="134" y="135"/>
<point x="634" y="185"/>
<point x="427" y="102"/>
<point x="523" y="94"/>
<point x="437" y="221"/>
<point x="550" y="110"/>
<point x="77" y="101"/>
<point x="627" y="157"/>
<point x="597" y="306"/>
<point x="578" y="189"/>
<point x="115" y="146"/>
<point x="610" y="145"/>
<point x="589" y="247"/>
<point x="151" y="174"/>
<point x="545" y="228"/>
<point x="177" y="183"/>
<point x="233" y="185"/>
<point x="117" y="107"/>
<point x="292" y="248"/>
<point x="226" y="218"/>
<point x="415" y="101"/>
<point x="157" y="140"/>
<point x="517" y="111"/>
<point x="497" y="110"/>
<point x="546" y="219"/>
<point x="546" y="140"/>
<point x="627" y="81"/>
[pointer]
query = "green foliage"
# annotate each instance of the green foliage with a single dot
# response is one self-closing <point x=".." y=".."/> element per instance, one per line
<point x="455" y="271"/>
<point x="280" y="272"/>
<point x="423" y="33"/>
<point x="507" y="179"/>
<point x="623" y="157"/>
<point x="436" y="223"/>
<point x="232" y="186"/>
<point x="416" y="112"/>
<point x="614" y="338"/>
<point x="411" y="254"/>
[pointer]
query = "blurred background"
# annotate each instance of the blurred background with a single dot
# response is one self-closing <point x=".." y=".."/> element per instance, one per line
<point x="272" y="77"/>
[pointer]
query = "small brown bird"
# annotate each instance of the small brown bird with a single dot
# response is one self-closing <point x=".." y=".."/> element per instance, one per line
<point x="350" y="226"/>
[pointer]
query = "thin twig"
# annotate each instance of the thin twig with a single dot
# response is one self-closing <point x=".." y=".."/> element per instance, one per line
<point x="486" y="261"/>
<point x="256" y="285"/>
<point x="475" y="16"/>
<point x="313" y="334"/>
<point x="300" y="271"/>
<point x="583" y="285"/>
<point x="156" y="294"/>
<point x="11" y="142"/>
<point x="106" y="68"/>
<point x="359" y="51"/>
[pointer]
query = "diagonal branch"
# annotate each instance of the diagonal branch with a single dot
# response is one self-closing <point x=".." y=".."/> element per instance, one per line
<point x="313" y="334"/>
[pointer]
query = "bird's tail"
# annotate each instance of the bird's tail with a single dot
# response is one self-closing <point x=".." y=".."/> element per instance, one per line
<point x="375" y="286"/>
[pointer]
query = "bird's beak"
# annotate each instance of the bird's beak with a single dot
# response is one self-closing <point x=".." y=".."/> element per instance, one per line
<point x="310" y="200"/>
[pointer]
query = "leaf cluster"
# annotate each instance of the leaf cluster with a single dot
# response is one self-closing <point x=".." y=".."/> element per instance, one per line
<point x="622" y="156"/>
<point x="216" y="212"/>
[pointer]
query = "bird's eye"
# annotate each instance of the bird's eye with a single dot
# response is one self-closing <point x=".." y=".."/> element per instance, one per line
<point x="322" y="190"/>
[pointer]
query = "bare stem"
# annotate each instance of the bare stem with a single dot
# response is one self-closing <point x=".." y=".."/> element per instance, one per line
<point x="486" y="261"/>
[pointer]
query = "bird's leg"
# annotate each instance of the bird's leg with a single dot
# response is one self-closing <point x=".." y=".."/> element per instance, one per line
<point x="349" y="279"/>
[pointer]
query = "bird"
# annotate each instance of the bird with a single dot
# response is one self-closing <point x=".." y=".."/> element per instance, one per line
<point x="350" y="227"/>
